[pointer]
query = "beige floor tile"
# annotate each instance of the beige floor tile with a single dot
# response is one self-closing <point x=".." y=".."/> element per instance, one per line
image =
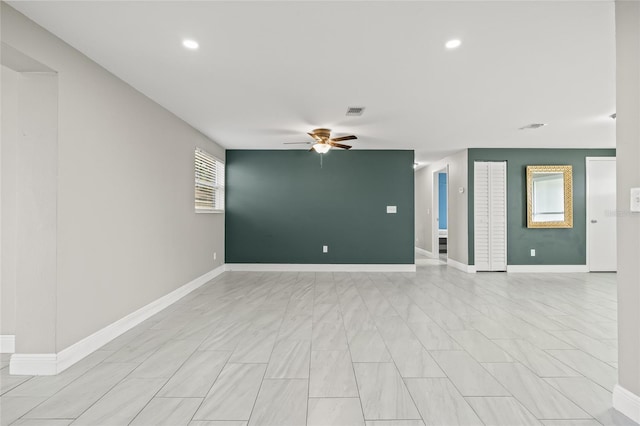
<point x="468" y="375"/>
<point x="289" y="360"/>
<point x="534" y="393"/>
<point x="332" y="375"/>
<point x="383" y="394"/>
<point x="196" y="376"/>
<point x="233" y="394"/>
<point x="500" y="411"/>
<point x="334" y="412"/>
<point x="167" y="412"/>
<point x="281" y="402"/>
<point x="440" y="403"/>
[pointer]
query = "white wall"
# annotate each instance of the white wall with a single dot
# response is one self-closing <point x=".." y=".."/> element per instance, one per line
<point x="458" y="223"/>
<point x="422" y="206"/>
<point x="628" y="176"/>
<point x="8" y="146"/>
<point x="127" y="233"/>
<point x="35" y="206"/>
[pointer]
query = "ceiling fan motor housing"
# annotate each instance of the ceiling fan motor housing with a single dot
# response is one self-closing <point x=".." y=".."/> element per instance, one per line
<point x="322" y="133"/>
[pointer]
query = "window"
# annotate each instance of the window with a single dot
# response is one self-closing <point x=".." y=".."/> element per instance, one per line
<point x="209" y="183"/>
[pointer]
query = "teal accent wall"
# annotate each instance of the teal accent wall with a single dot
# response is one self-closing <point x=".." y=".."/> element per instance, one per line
<point x="282" y="207"/>
<point x="553" y="246"/>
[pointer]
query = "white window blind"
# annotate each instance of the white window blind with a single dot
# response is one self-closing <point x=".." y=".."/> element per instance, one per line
<point x="209" y="188"/>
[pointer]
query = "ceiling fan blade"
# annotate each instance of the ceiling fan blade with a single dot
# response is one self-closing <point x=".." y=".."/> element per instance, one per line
<point x="344" y="138"/>
<point x="339" y="145"/>
<point x="296" y="143"/>
<point x="316" y="137"/>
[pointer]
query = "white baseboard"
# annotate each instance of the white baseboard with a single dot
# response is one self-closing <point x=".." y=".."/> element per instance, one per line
<point x="424" y="252"/>
<point x="558" y="269"/>
<point x="627" y="403"/>
<point x="334" y="267"/>
<point x="34" y="364"/>
<point x="7" y="343"/>
<point x="470" y="269"/>
<point x="37" y="364"/>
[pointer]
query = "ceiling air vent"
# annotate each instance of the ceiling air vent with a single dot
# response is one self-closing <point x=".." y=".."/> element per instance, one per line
<point x="355" y="110"/>
<point x="533" y="126"/>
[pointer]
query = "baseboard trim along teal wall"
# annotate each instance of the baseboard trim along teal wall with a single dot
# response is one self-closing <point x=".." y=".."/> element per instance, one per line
<point x="553" y="246"/>
<point x="318" y="267"/>
<point x="283" y="206"/>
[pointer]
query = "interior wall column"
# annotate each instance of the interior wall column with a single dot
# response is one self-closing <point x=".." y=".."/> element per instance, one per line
<point x="36" y="227"/>
<point x="626" y="397"/>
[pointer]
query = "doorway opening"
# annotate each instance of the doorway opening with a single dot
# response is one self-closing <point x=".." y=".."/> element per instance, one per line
<point x="440" y="244"/>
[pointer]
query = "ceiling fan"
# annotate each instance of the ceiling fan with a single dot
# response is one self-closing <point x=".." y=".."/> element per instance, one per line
<point x="324" y="142"/>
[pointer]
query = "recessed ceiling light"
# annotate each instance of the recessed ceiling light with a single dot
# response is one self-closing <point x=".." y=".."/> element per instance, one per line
<point x="452" y="44"/>
<point x="190" y="44"/>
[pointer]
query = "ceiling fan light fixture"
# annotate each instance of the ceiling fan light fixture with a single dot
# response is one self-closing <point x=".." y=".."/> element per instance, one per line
<point x="321" y="148"/>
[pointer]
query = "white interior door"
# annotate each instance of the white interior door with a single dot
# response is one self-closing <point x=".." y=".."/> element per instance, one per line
<point x="490" y="215"/>
<point x="601" y="213"/>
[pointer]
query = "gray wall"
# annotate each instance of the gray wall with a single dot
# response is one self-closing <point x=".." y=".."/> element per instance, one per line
<point x="8" y="146"/>
<point x="35" y="206"/>
<point x="282" y="207"/>
<point x="457" y="244"/>
<point x="422" y="203"/>
<point x="127" y="233"/>
<point x="628" y="176"/>
<point x="553" y="246"/>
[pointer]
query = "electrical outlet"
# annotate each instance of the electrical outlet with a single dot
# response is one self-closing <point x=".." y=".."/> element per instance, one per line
<point x="215" y="255"/>
<point x="325" y="249"/>
<point x="533" y="252"/>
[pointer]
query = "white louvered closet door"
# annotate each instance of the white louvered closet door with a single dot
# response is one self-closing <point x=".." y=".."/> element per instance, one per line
<point x="490" y="215"/>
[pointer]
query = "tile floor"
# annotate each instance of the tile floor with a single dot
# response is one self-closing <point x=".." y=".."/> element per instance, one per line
<point x="436" y="347"/>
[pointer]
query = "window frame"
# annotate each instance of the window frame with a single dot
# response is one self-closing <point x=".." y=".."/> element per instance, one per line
<point x="213" y="184"/>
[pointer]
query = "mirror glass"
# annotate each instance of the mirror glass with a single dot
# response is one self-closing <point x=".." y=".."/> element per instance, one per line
<point x="548" y="197"/>
<point x="549" y="203"/>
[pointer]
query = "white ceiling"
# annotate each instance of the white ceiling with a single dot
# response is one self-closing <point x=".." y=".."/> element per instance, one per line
<point x="268" y="72"/>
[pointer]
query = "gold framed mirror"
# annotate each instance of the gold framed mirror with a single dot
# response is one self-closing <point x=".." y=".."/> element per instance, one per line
<point x="549" y="197"/>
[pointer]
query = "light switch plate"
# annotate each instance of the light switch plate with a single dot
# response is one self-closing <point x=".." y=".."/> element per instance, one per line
<point x="325" y="249"/>
<point x="635" y="199"/>
<point x="392" y="209"/>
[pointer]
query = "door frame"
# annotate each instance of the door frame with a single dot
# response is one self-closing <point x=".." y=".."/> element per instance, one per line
<point x="588" y="161"/>
<point x="435" y="208"/>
